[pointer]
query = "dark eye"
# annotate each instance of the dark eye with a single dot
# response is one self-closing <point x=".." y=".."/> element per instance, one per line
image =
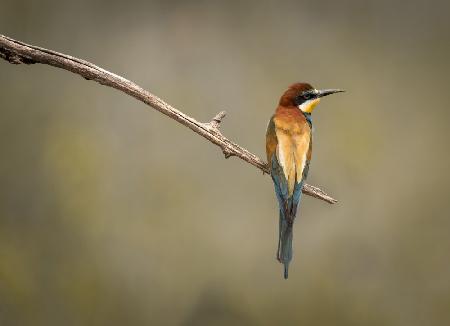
<point x="307" y="96"/>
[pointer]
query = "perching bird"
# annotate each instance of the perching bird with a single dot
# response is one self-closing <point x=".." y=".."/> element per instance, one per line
<point x="288" y="148"/>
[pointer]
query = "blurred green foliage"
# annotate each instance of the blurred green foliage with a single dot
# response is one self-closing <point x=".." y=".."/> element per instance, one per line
<point x="112" y="214"/>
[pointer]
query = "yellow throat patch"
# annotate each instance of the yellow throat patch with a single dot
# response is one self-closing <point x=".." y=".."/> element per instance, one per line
<point x="309" y="106"/>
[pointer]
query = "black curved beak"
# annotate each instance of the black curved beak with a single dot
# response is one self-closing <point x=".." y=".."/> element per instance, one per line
<point x="326" y="92"/>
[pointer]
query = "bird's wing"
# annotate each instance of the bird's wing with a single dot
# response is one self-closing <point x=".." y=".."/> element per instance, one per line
<point x="271" y="141"/>
<point x="276" y="171"/>
<point x="308" y="159"/>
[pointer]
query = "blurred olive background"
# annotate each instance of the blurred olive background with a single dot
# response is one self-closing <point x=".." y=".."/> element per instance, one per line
<point x="113" y="214"/>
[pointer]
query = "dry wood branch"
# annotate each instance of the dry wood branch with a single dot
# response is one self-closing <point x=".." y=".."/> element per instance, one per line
<point x="17" y="52"/>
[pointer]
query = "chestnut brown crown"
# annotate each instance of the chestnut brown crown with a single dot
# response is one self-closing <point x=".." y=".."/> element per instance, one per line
<point x="293" y="92"/>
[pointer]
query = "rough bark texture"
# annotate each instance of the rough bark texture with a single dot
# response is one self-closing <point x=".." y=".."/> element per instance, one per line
<point x="17" y="52"/>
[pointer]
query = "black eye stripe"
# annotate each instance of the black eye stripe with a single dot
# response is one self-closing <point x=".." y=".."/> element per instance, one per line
<point x="304" y="96"/>
<point x="308" y="95"/>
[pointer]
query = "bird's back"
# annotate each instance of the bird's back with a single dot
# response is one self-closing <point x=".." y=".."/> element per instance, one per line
<point x="288" y="140"/>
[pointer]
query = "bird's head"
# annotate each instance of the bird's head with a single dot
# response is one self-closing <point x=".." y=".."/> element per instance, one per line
<point x="304" y="96"/>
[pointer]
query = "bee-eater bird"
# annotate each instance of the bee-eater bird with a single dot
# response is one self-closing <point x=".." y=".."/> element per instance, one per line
<point x="288" y="148"/>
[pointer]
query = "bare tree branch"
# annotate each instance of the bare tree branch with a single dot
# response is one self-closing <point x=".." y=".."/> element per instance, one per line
<point x="17" y="52"/>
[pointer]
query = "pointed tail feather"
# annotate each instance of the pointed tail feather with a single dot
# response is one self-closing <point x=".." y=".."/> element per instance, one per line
<point x="284" y="254"/>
